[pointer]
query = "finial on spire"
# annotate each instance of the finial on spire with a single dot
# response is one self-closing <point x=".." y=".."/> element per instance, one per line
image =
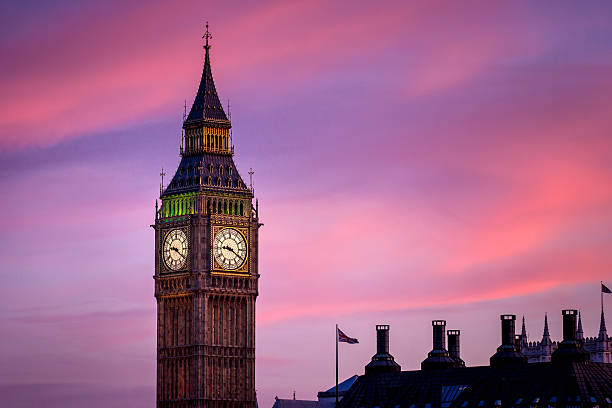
<point x="251" y="172"/>
<point x="161" y="187"/>
<point x="207" y="35"/>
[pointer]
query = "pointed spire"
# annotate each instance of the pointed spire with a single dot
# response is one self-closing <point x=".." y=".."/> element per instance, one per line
<point x="546" y="336"/>
<point x="580" y="332"/>
<point x="206" y="105"/>
<point x="523" y="335"/>
<point x="603" y="334"/>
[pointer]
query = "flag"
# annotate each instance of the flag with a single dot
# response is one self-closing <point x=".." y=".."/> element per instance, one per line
<point x="604" y="289"/>
<point x="343" y="338"/>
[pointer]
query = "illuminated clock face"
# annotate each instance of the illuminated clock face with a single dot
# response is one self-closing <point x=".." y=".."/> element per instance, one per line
<point x="175" y="249"/>
<point x="230" y="249"/>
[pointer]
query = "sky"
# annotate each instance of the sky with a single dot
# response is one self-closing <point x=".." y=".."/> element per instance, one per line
<point x="413" y="161"/>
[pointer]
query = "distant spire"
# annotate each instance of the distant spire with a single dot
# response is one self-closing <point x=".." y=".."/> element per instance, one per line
<point x="603" y="334"/>
<point x="580" y="332"/>
<point x="523" y="334"/>
<point x="546" y="335"/>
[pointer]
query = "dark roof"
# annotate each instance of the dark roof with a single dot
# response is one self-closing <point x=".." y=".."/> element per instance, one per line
<point x="343" y="387"/>
<point x="578" y="384"/>
<point x="206" y="104"/>
<point x="290" y="403"/>
<point x="187" y="176"/>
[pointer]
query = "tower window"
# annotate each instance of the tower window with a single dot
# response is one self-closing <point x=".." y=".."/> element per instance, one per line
<point x="230" y="170"/>
<point x="220" y="169"/>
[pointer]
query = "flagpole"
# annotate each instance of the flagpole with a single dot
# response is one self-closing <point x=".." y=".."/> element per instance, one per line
<point x="601" y="290"/>
<point x="336" y="365"/>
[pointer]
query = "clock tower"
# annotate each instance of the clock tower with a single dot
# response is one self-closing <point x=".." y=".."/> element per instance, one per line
<point x="206" y="266"/>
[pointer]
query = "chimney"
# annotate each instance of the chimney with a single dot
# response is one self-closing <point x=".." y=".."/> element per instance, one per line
<point x="382" y="361"/>
<point x="438" y="357"/>
<point x="439" y="331"/>
<point x="454" y="347"/>
<point x="507" y="323"/>
<point x="570" y="349"/>
<point x="508" y="353"/>
<point x="382" y="339"/>
<point x="569" y="324"/>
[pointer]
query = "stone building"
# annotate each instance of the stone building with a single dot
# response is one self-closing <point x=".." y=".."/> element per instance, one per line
<point x="206" y="266"/>
<point x="599" y="348"/>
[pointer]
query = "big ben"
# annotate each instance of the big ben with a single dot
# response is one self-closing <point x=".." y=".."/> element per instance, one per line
<point x="206" y="239"/>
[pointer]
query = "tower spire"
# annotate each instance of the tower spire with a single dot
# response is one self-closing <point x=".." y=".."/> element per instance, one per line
<point x="546" y="335"/>
<point x="603" y="334"/>
<point x="579" y="332"/>
<point x="206" y="105"/>
<point x="523" y="335"/>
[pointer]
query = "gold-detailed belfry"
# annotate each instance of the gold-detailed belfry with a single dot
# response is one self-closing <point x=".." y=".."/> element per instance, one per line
<point x="206" y="267"/>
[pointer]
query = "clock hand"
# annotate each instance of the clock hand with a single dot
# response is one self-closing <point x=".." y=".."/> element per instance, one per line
<point x="232" y="251"/>
<point x="177" y="251"/>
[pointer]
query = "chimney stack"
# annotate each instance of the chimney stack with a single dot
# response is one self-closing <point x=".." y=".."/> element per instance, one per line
<point x="439" y="332"/>
<point x="438" y="357"/>
<point x="382" y="339"/>
<point x="454" y="347"/>
<point x="570" y="349"/>
<point x="569" y="324"/>
<point x="508" y="353"/>
<point x="382" y="361"/>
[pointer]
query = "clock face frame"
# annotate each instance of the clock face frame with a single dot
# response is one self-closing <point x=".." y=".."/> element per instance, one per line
<point x="175" y="249"/>
<point x="230" y="249"/>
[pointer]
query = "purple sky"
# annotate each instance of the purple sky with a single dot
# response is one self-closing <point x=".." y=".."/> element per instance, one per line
<point x="414" y="161"/>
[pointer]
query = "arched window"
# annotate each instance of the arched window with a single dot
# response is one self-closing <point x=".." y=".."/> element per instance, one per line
<point x="241" y="208"/>
<point x="224" y="207"/>
<point x="219" y="207"/>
